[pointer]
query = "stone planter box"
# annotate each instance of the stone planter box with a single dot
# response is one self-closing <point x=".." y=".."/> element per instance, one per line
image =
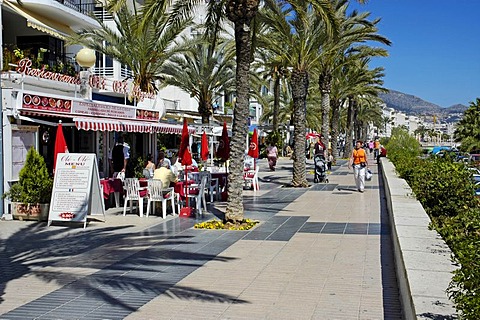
<point x="30" y="211"/>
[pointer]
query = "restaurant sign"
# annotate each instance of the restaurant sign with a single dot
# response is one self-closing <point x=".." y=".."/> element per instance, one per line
<point x="24" y="67"/>
<point x="78" y="107"/>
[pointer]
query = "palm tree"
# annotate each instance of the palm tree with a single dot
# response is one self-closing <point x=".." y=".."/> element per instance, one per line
<point x="364" y="89"/>
<point x="313" y="118"/>
<point x="202" y="73"/>
<point x="274" y="69"/>
<point x="298" y="28"/>
<point x="467" y="131"/>
<point x="140" y="43"/>
<point x="354" y="29"/>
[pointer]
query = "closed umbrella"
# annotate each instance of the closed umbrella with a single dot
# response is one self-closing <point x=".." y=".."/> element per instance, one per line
<point x="223" y="150"/>
<point x="184" y="143"/>
<point x="253" y="147"/>
<point x="186" y="159"/>
<point x="204" y="147"/>
<point x="60" y="145"/>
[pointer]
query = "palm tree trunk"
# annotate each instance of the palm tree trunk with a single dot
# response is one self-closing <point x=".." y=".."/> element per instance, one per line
<point x="299" y="82"/>
<point x="276" y="102"/>
<point x="241" y="13"/>
<point x="325" y="84"/>
<point x="349" y="127"/>
<point x="356" y="124"/>
<point x="205" y="110"/>
<point x="335" y="125"/>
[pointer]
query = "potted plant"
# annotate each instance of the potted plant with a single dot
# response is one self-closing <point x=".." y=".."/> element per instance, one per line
<point x="31" y="195"/>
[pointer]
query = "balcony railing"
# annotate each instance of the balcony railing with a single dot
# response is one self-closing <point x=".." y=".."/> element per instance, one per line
<point x="87" y="8"/>
<point x="109" y="72"/>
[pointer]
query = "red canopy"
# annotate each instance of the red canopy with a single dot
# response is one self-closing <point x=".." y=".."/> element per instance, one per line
<point x="223" y="151"/>
<point x="253" y="147"/>
<point x="204" y="147"/>
<point x="60" y="145"/>
<point x="183" y="152"/>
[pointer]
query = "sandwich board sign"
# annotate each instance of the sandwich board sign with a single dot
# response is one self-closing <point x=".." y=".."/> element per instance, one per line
<point x="76" y="189"/>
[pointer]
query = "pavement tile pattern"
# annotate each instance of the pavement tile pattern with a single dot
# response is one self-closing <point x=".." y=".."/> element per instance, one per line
<point x="315" y="255"/>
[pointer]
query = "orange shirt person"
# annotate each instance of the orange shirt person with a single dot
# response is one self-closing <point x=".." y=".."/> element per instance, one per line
<point x="358" y="160"/>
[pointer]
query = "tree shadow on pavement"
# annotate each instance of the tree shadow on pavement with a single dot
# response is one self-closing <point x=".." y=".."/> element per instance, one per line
<point x="131" y="267"/>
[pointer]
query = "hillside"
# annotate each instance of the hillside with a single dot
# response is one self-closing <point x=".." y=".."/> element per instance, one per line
<point x="413" y="105"/>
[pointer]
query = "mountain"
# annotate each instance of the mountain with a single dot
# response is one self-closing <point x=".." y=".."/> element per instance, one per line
<point x="413" y="105"/>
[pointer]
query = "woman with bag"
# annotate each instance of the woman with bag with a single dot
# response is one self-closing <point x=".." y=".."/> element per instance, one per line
<point x="272" y="155"/>
<point x="358" y="160"/>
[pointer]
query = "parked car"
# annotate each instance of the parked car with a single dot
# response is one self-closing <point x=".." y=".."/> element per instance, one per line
<point x="474" y="159"/>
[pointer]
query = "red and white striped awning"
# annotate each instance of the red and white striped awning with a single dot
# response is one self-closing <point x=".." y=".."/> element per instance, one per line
<point x="127" y="126"/>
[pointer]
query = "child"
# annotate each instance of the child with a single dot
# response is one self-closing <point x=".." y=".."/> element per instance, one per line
<point x="329" y="160"/>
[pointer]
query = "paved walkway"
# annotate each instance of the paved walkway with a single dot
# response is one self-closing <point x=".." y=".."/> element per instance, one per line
<point x="319" y="253"/>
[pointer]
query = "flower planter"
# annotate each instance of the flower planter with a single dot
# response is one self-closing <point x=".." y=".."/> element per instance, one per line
<point x="30" y="211"/>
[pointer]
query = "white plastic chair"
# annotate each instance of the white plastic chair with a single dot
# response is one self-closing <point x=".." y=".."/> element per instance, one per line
<point x="197" y="192"/>
<point x="156" y="193"/>
<point x="132" y="193"/>
<point x="211" y="186"/>
<point x="195" y="176"/>
<point x="251" y="179"/>
<point x="119" y="175"/>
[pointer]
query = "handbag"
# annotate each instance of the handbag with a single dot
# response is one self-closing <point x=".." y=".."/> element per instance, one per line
<point x="368" y="175"/>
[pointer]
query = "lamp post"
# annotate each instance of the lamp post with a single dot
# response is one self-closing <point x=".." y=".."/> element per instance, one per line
<point x="86" y="59"/>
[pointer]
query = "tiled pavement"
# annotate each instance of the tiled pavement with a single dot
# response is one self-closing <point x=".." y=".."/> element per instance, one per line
<point x="319" y="253"/>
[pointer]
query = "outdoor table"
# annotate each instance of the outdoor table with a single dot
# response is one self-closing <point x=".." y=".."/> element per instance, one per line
<point x="179" y="188"/>
<point x="222" y="183"/>
<point x="110" y="186"/>
<point x="222" y="179"/>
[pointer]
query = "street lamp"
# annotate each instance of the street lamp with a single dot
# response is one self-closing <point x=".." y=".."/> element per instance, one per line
<point x="86" y="59"/>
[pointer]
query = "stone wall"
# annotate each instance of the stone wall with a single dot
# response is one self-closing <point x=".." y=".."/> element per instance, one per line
<point x="423" y="264"/>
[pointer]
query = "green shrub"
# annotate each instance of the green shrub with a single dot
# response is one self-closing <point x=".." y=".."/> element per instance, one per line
<point x="445" y="190"/>
<point x="34" y="183"/>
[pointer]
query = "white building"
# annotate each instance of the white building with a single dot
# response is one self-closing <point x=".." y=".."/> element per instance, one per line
<point x="35" y="99"/>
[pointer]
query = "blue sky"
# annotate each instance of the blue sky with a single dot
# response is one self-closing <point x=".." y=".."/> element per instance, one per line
<point x="435" y="52"/>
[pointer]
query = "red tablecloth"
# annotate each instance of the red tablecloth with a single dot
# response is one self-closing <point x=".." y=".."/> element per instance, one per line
<point x="180" y="188"/>
<point x="110" y="186"/>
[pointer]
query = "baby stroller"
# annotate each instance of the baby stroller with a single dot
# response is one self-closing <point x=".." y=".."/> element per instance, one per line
<point x="320" y="169"/>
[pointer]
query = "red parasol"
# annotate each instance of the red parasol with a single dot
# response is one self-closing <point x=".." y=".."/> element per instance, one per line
<point x="60" y="145"/>
<point x="312" y="135"/>
<point x="204" y="147"/>
<point x="184" y="143"/>
<point x="253" y="147"/>
<point x="223" y="150"/>
<point x="186" y="159"/>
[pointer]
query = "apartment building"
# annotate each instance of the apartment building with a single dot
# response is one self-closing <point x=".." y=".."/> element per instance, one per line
<point x="40" y="86"/>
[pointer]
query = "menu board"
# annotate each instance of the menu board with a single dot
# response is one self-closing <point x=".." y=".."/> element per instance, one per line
<point x="76" y="188"/>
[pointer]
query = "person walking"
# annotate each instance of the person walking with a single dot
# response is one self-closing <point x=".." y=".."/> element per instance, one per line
<point x="376" y="148"/>
<point x="320" y="149"/>
<point x="272" y="154"/>
<point x="358" y="160"/>
<point x="119" y="156"/>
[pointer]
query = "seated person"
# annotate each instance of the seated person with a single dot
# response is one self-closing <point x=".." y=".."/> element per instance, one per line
<point x="165" y="175"/>
<point x="149" y="166"/>
<point x="162" y="158"/>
